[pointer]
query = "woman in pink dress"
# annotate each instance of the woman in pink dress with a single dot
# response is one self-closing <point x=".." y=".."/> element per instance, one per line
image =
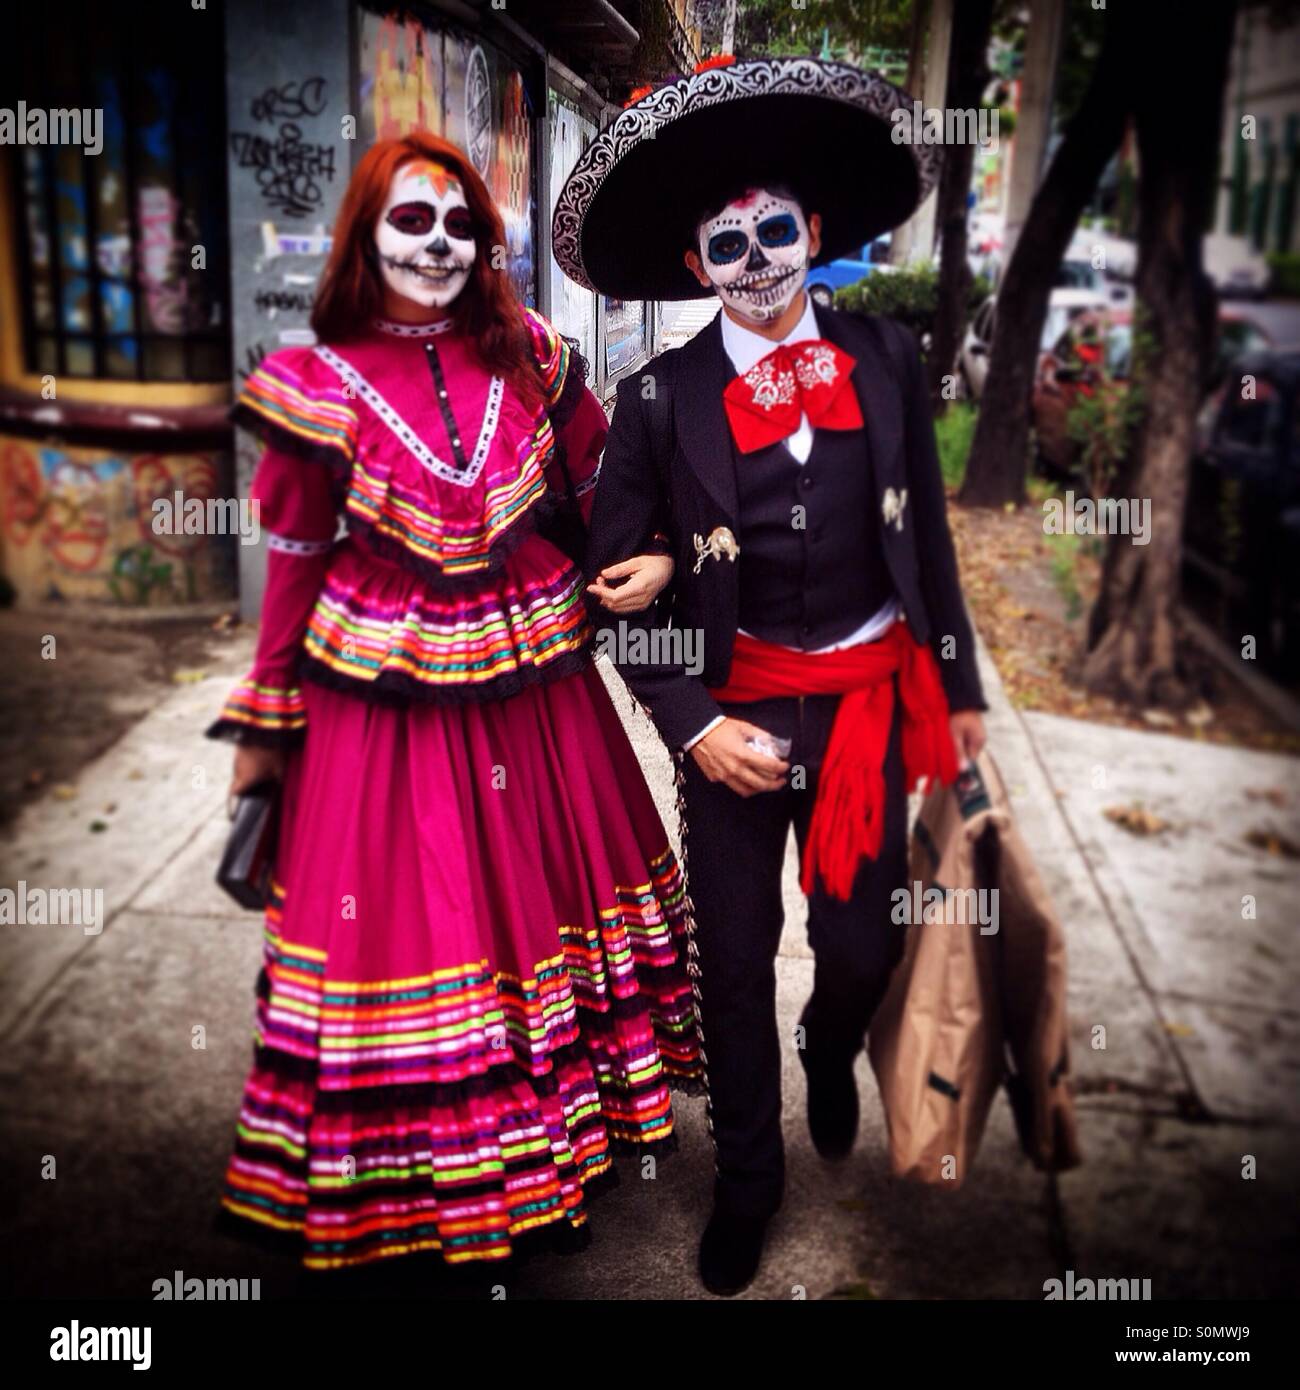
<point x="474" y="983"/>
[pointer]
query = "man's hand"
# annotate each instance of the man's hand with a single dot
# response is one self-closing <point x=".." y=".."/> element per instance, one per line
<point x="724" y="756"/>
<point x="968" y="734"/>
<point x="254" y="765"/>
<point x="645" y="576"/>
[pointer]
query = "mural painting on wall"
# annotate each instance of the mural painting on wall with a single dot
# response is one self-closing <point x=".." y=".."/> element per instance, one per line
<point x="401" y="77"/>
<point x="488" y="115"/>
<point x="415" y="77"/>
<point x="78" y="524"/>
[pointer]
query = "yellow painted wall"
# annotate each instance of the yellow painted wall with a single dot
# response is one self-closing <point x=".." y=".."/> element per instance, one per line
<point x="76" y="521"/>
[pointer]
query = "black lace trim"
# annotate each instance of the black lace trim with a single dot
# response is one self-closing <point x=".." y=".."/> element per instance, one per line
<point x="232" y="731"/>
<point x="395" y="1274"/>
<point x="369" y="1100"/>
<point x="397" y="689"/>
<point x="387" y="547"/>
<point x="269" y="432"/>
<point x="575" y="382"/>
<point x="558" y="1237"/>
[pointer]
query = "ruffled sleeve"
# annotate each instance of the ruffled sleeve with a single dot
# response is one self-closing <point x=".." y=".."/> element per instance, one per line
<point x="559" y="363"/>
<point x="576" y="415"/>
<point x="296" y="506"/>
<point x="297" y="403"/>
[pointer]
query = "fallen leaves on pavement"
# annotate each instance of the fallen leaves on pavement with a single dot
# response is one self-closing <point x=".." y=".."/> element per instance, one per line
<point x="1136" y="819"/>
<point x="1272" y="842"/>
<point x="1012" y="578"/>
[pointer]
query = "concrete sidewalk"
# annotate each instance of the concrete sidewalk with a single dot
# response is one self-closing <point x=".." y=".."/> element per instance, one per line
<point x="125" y="1053"/>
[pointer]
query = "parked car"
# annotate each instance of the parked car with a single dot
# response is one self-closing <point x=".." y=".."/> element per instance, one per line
<point x="1063" y="307"/>
<point x="1078" y="273"/>
<point x="1076" y="270"/>
<point x="973" y="356"/>
<point x="824" y="280"/>
<point x="1241" y="533"/>
<point x="1097" y="346"/>
<point x="984" y="245"/>
<point x="1234" y="265"/>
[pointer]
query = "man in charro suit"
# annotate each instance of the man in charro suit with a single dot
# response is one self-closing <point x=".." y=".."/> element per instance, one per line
<point x="791" y="451"/>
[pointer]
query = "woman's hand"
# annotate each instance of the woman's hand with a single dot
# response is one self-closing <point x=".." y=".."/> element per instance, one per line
<point x="645" y="577"/>
<point x="253" y="765"/>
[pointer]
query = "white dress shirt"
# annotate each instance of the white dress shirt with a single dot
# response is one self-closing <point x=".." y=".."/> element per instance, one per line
<point x="745" y="347"/>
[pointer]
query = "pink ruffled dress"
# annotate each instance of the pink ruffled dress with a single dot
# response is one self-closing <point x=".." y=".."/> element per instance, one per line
<point x="474" y="983"/>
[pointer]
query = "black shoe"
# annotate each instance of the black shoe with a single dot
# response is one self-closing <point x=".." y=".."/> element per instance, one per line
<point x="731" y="1250"/>
<point x="832" y="1106"/>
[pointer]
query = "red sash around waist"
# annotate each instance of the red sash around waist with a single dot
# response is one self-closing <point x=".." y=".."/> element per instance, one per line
<point x="847" y="819"/>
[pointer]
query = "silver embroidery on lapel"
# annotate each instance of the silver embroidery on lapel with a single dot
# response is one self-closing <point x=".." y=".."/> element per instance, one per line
<point x="891" y="507"/>
<point x="720" y="542"/>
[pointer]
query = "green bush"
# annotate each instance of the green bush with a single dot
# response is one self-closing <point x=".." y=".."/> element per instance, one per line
<point x="1103" y="420"/>
<point x="953" y="432"/>
<point x="1285" y="266"/>
<point x="1064" y="558"/>
<point x="910" y="295"/>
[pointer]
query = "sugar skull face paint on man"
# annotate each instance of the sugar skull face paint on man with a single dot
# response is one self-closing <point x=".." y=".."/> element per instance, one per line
<point x="756" y="252"/>
<point x="425" y="235"/>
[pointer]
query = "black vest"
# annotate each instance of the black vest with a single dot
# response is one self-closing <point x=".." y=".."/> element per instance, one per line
<point x="809" y="577"/>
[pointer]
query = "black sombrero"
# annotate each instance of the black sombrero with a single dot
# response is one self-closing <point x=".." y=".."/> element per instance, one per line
<point x="630" y="207"/>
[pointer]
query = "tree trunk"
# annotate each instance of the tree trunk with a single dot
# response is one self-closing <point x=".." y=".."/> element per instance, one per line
<point x="995" y="471"/>
<point x="1132" y="650"/>
<point x="967" y="78"/>
<point x="900" y="243"/>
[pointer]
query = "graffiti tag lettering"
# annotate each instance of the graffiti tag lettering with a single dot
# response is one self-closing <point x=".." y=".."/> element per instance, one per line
<point x="288" y="168"/>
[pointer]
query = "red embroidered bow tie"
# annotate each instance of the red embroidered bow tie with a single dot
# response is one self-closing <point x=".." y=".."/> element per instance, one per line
<point x="810" y="378"/>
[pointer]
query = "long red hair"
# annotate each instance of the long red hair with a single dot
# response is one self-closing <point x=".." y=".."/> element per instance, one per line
<point x="486" y="311"/>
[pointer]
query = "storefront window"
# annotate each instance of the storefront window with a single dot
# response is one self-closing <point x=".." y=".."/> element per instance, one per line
<point x="624" y="333"/>
<point x="122" y="251"/>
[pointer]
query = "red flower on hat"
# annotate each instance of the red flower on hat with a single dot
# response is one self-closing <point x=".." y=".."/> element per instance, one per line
<point x="719" y="60"/>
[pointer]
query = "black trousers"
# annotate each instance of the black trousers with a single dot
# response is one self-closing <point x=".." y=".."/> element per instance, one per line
<point x="736" y="850"/>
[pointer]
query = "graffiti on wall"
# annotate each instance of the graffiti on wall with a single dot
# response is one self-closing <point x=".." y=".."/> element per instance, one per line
<point x="290" y="171"/>
<point x="78" y="523"/>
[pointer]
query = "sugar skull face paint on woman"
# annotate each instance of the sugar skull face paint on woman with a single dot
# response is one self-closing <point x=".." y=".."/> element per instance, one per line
<point x="755" y="253"/>
<point x="425" y="235"/>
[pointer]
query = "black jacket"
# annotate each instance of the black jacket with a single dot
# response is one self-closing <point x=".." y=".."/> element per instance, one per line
<point x="669" y="451"/>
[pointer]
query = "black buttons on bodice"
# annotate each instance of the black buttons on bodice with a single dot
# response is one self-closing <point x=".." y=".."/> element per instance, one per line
<point x="444" y="405"/>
